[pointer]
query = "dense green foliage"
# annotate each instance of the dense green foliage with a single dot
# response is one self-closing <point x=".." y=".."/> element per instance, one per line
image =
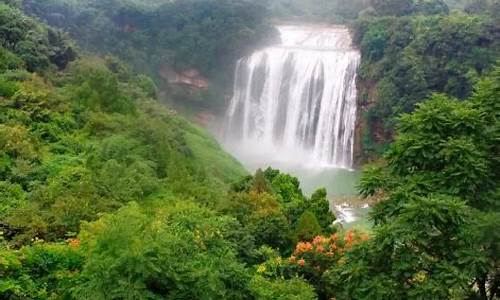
<point x="160" y="38"/>
<point x="66" y="136"/>
<point x="405" y="59"/>
<point x="280" y="289"/>
<point x="270" y="205"/>
<point x="317" y="10"/>
<point x="63" y="144"/>
<point x="436" y="218"/>
<point x="345" y="11"/>
<point x="202" y="34"/>
<point x="107" y="194"/>
<point x="26" y="43"/>
<point x="178" y="252"/>
<point x="439" y="200"/>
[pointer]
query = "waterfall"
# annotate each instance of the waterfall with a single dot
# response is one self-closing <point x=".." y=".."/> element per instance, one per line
<point x="296" y="101"/>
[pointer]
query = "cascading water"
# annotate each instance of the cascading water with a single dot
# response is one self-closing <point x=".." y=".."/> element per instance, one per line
<point x="296" y="101"/>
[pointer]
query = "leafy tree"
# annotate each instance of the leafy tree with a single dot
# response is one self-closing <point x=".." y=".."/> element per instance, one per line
<point x="12" y="195"/>
<point x="147" y="85"/>
<point x="36" y="45"/>
<point x="307" y="227"/>
<point x="268" y="223"/>
<point x="313" y="259"/>
<point x="262" y="216"/>
<point x="436" y="199"/>
<point x="260" y="184"/>
<point x="393" y="7"/>
<point x="425" y="246"/>
<point x="288" y="192"/>
<point x="406" y="59"/>
<point x="98" y="88"/>
<point x="9" y="61"/>
<point x="431" y="7"/>
<point x="318" y="204"/>
<point x="179" y="252"/>
<point x="39" y="271"/>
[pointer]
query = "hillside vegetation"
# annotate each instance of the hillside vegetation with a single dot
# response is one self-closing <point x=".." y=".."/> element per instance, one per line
<point x="407" y="58"/>
<point x="156" y="37"/>
<point x="107" y="194"/>
<point x="410" y="48"/>
<point x="89" y="138"/>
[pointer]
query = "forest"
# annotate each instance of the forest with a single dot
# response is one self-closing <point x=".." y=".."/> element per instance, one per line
<point x="110" y="190"/>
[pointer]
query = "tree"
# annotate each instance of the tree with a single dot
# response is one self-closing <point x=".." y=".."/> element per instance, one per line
<point x="307" y="227"/>
<point x="288" y="193"/>
<point x="262" y="216"/>
<point x="178" y="252"/>
<point x="431" y="7"/>
<point x="310" y="260"/>
<point x="437" y="200"/>
<point x="37" y="45"/>
<point x="39" y="270"/>
<point x="319" y="205"/>
<point x="260" y="184"/>
<point x="425" y="246"/>
<point x="99" y="88"/>
<point x="393" y="7"/>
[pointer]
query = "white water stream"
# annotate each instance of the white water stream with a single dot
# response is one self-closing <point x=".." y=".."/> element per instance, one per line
<point x="294" y="108"/>
<point x="296" y="102"/>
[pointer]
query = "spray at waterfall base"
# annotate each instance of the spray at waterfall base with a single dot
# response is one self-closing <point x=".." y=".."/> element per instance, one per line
<point x="295" y="102"/>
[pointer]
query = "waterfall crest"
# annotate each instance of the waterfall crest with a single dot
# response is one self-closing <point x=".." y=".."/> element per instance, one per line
<point x="296" y="101"/>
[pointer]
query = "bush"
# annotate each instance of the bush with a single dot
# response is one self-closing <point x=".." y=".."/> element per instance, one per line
<point x="39" y="271"/>
<point x="98" y="88"/>
<point x="280" y="289"/>
<point x="307" y="227"/>
<point x="179" y="252"/>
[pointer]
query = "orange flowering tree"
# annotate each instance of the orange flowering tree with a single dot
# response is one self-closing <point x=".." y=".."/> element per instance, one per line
<point x="311" y="259"/>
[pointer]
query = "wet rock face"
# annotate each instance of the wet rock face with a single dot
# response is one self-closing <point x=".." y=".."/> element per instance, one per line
<point x="367" y="95"/>
<point x="205" y="119"/>
<point x="368" y="127"/>
<point x="187" y="77"/>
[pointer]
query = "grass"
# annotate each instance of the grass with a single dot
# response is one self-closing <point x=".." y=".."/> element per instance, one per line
<point x="207" y="152"/>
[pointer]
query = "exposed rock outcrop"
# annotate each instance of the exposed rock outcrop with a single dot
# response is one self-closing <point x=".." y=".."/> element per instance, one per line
<point x="188" y="77"/>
